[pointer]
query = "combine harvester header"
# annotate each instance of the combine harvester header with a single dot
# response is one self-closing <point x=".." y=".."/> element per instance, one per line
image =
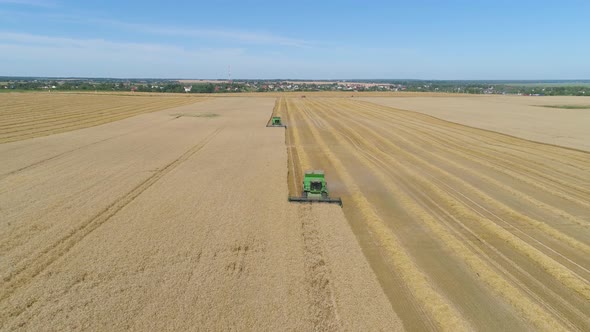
<point x="315" y="189"/>
<point x="276" y="122"/>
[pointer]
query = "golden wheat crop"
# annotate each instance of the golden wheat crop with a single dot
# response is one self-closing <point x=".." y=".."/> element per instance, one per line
<point x="28" y="115"/>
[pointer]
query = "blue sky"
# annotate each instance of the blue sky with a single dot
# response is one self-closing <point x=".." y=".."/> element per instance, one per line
<point x="296" y="39"/>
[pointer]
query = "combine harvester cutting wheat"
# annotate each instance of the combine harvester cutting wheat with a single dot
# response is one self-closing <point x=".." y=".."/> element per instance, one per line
<point x="315" y="189"/>
<point x="276" y="122"/>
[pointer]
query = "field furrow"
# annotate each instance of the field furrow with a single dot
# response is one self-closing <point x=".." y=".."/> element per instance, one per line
<point x="455" y="198"/>
<point x="439" y="312"/>
<point x="422" y="140"/>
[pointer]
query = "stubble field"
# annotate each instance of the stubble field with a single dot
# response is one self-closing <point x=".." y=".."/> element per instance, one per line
<point x="465" y="228"/>
<point x="28" y="115"/>
<point x="178" y="219"/>
<point x="522" y="116"/>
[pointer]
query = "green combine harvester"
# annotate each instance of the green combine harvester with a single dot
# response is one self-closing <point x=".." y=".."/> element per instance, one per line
<point x="276" y="122"/>
<point x="315" y="189"/>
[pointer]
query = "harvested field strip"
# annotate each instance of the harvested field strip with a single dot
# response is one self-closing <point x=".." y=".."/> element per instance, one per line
<point x="491" y="181"/>
<point x="531" y="146"/>
<point x="67" y="111"/>
<point x="462" y="170"/>
<point x="73" y="118"/>
<point x="461" y="149"/>
<point x="441" y="313"/>
<point x="323" y="308"/>
<point x="469" y="188"/>
<point x="457" y="248"/>
<point x="61" y="118"/>
<point x="545" y="152"/>
<point x="46" y="114"/>
<point x="51" y="108"/>
<point x="64" y="114"/>
<point x="432" y="172"/>
<point x="465" y="211"/>
<point x="30" y="268"/>
<point x="512" y="213"/>
<point x="86" y="116"/>
<point x="493" y="144"/>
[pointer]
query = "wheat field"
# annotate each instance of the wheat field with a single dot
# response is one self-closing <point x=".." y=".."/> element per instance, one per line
<point x="170" y="212"/>
<point x="28" y="115"/>
<point x="168" y="222"/>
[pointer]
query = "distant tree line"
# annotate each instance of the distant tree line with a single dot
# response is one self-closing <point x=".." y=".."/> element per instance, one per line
<point x="172" y="86"/>
<point x="168" y="87"/>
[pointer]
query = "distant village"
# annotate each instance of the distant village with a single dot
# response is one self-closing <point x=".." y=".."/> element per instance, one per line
<point x="524" y="88"/>
<point x="321" y="86"/>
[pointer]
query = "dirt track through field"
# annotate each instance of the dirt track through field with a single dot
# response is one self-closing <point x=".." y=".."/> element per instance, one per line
<point x="465" y="228"/>
<point x="158" y="222"/>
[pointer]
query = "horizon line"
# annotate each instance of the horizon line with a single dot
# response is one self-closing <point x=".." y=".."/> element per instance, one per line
<point x="298" y="79"/>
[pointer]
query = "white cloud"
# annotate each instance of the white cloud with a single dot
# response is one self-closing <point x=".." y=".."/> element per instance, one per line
<point x="247" y="37"/>
<point x="241" y="36"/>
<point x="101" y="44"/>
<point x="30" y="54"/>
<point x="41" y="55"/>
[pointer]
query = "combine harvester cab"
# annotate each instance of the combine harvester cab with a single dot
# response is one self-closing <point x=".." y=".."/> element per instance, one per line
<point x="315" y="189"/>
<point x="276" y="122"/>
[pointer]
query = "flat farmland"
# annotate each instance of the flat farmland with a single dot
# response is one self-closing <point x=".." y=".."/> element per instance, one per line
<point x="171" y="214"/>
<point x="465" y="228"/>
<point x="520" y="116"/>
<point x="28" y="115"/>
<point x="174" y="220"/>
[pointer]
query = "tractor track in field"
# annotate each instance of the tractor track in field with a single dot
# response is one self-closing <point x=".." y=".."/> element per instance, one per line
<point x="30" y="268"/>
<point x="322" y="303"/>
<point x="521" y="238"/>
<point x="65" y="153"/>
<point x="323" y="308"/>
